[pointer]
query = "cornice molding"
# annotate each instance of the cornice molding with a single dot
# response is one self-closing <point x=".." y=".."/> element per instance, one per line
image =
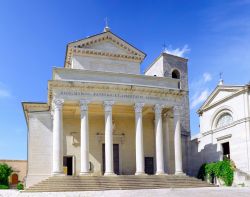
<point x="159" y="92"/>
<point x="207" y="105"/>
<point x="78" y="48"/>
<point x="242" y="120"/>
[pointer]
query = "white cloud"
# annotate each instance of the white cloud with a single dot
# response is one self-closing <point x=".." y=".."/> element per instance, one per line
<point x="178" y="51"/>
<point x="199" y="98"/>
<point x="207" y="77"/>
<point x="199" y="90"/>
<point x="4" y="92"/>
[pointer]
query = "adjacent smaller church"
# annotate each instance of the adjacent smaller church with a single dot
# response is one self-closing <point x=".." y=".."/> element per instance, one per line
<point x="224" y="128"/>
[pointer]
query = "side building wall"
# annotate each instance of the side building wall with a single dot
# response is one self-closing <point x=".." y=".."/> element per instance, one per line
<point x="39" y="147"/>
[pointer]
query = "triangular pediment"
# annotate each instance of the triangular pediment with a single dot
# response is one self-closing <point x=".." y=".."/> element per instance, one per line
<point x="220" y="94"/>
<point x="105" y="44"/>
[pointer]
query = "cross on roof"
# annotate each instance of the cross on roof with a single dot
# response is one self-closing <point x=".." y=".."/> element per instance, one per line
<point x="221" y="73"/>
<point x="106" y="22"/>
<point x="164" y="47"/>
<point x="106" y="28"/>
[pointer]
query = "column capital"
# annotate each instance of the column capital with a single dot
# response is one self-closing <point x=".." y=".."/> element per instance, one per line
<point x="158" y="108"/>
<point x="57" y="103"/>
<point x="138" y="107"/>
<point x="84" y="104"/>
<point x="108" y="105"/>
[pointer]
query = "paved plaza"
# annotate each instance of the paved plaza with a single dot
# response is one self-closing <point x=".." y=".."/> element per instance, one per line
<point x="192" y="192"/>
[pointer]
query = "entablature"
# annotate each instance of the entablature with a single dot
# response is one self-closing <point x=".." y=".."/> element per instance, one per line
<point x="120" y="93"/>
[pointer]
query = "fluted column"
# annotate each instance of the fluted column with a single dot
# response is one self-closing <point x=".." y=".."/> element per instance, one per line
<point x="84" y="138"/>
<point x="139" y="139"/>
<point x="109" y="168"/>
<point x="57" y="168"/>
<point x="177" y="141"/>
<point x="159" y="140"/>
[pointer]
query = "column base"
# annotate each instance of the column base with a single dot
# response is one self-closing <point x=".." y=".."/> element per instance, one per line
<point x="58" y="174"/>
<point x="141" y="174"/>
<point x="84" y="174"/>
<point x="161" y="173"/>
<point x="110" y="174"/>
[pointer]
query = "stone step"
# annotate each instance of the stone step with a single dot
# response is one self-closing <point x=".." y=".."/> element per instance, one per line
<point x="95" y="183"/>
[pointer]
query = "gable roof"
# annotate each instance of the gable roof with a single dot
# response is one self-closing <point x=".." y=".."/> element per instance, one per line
<point x="82" y="47"/>
<point x="212" y="101"/>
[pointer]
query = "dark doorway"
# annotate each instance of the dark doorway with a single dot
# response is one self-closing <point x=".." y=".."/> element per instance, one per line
<point x="68" y="163"/>
<point x="149" y="165"/>
<point x="115" y="158"/>
<point x="226" y="150"/>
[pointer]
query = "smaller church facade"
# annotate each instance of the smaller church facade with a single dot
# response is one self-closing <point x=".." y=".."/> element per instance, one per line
<point x="103" y="117"/>
<point x="224" y="128"/>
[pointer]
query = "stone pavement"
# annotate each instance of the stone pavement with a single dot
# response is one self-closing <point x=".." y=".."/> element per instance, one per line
<point x="190" y="192"/>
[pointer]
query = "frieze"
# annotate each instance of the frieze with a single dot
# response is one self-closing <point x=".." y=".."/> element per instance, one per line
<point x="111" y="95"/>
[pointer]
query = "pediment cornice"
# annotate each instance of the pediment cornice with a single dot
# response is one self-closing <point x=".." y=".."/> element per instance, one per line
<point x="208" y="104"/>
<point x="82" y="48"/>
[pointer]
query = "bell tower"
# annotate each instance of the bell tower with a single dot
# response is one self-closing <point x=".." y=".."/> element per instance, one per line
<point x="176" y="67"/>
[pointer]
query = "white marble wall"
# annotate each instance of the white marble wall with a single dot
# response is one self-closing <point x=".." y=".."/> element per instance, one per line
<point x="39" y="147"/>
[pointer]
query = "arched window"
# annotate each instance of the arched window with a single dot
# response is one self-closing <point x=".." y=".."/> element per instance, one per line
<point x="224" y="120"/>
<point x="176" y="74"/>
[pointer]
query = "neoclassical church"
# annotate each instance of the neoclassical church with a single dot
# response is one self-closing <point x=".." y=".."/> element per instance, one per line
<point x="224" y="130"/>
<point x="104" y="118"/>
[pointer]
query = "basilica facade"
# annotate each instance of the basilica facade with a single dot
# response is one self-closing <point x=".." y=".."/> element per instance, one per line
<point x="104" y="118"/>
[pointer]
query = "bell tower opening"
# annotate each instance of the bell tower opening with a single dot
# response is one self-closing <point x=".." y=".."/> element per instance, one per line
<point x="176" y="74"/>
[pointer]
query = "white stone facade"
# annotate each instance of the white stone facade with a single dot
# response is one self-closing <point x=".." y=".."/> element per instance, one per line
<point x="224" y="117"/>
<point x="102" y="112"/>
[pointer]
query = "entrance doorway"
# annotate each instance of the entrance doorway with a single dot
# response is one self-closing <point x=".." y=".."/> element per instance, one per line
<point x="115" y="158"/>
<point x="149" y="165"/>
<point x="226" y="150"/>
<point x="14" y="179"/>
<point x="68" y="165"/>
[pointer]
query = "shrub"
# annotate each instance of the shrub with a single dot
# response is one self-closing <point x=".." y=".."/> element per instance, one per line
<point x="4" y="187"/>
<point x="5" y="172"/>
<point x="201" y="174"/>
<point x="221" y="169"/>
<point x="19" y="186"/>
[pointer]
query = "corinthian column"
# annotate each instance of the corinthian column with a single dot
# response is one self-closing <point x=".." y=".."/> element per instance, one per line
<point x="109" y="168"/>
<point x="84" y="138"/>
<point x="159" y="140"/>
<point x="57" y="137"/>
<point x="177" y="141"/>
<point x="139" y="139"/>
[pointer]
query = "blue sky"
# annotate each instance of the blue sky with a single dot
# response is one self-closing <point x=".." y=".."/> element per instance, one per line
<point x="214" y="35"/>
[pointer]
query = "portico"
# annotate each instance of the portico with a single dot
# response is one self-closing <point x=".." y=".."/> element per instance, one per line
<point x="155" y="111"/>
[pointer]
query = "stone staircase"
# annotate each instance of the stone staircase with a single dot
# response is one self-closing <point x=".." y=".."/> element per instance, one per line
<point x="122" y="182"/>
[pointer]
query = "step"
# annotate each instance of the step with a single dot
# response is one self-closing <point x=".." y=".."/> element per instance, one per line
<point x="98" y="183"/>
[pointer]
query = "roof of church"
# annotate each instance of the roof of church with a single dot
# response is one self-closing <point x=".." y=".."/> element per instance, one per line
<point x="82" y="47"/>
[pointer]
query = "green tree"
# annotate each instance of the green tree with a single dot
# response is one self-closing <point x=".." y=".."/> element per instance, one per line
<point x="5" y="172"/>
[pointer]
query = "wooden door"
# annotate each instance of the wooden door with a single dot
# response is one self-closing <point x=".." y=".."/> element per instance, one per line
<point x="14" y="179"/>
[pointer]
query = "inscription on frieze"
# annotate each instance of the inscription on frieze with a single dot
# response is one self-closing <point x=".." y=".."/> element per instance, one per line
<point x="113" y="95"/>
